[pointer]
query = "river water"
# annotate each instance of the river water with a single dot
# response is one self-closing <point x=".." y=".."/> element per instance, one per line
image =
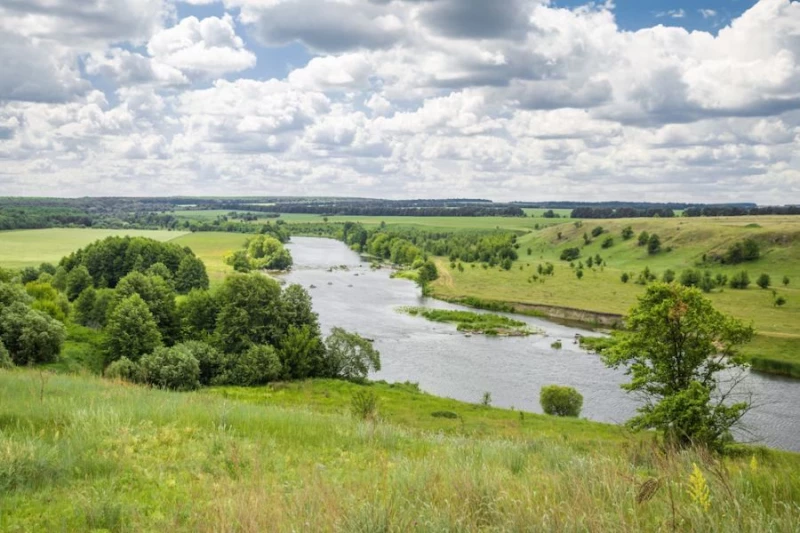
<point x="512" y="369"/>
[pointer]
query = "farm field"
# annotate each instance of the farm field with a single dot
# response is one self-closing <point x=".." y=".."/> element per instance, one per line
<point x="518" y="224"/>
<point x="85" y="454"/>
<point x="211" y="248"/>
<point x="21" y="248"/>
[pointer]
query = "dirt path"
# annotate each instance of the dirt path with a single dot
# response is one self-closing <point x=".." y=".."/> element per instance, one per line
<point x="445" y="278"/>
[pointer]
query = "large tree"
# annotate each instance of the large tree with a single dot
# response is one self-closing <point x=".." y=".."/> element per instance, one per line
<point x="30" y="336"/>
<point x="350" y="356"/>
<point x="249" y="312"/>
<point x="681" y="355"/>
<point x="131" y="330"/>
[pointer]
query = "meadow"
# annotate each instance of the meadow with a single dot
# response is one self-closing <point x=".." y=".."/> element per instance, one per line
<point x="211" y="247"/>
<point x="23" y="248"/>
<point x="82" y="453"/>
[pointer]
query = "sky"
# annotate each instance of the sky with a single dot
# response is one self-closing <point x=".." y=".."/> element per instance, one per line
<point x="664" y="100"/>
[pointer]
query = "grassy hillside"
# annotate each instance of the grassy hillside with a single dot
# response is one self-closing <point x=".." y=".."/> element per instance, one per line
<point x="601" y="289"/>
<point x="23" y="248"/>
<point x="84" y="454"/>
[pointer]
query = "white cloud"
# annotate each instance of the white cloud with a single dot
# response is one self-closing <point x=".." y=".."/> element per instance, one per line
<point x="707" y="13"/>
<point x="513" y="100"/>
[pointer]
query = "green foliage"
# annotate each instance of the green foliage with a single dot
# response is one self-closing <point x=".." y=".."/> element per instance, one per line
<point x="301" y="352"/>
<point x="707" y="282"/>
<point x="468" y="321"/>
<point x="644" y="238"/>
<point x="740" y="280"/>
<point x="211" y="362"/>
<point x="350" y="356"/>
<point x="428" y="273"/>
<point x="627" y="233"/>
<point x="172" y="368"/>
<point x="6" y="363"/>
<point x="608" y="242"/>
<point x="570" y="254"/>
<point x="31" y="336"/>
<point x="557" y="345"/>
<point x="159" y="297"/>
<point x="691" y="278"/>
<point x="486" y="399"/>
<point x="131" y="330"/>
<point x="653" y="244"/>
<point x="60" y="279"/>
<point x="258" y="365"/>
<point x="261" y="252"/>
<point x="249" y="312"/>
<point x="28" y="274"/>
<point x="764" y="281"/>
<point x="126" y="370"/>
<point x="560" y="400"/>
<point x="625" y="277"/>
<point x="668" y="276"/>
<point x="364" y="405"/>
<point x="597" y="231"/>
<point x="48" y="300"/>
<point x="785" y="281"/>
<point x="677" y="346"/>
<point x="77" y="280"/>
<point x="198" y="315"/>
<point x="191" y="274"/>
<point x="83" y="307"/>
<point x="160" y="269"/>
<point x="742" y="251"/>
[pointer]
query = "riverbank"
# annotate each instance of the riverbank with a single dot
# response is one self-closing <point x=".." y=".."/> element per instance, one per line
<point x="82" y="453"/>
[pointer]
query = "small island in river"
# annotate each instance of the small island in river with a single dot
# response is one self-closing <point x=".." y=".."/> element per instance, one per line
<point x="475" y="323"/>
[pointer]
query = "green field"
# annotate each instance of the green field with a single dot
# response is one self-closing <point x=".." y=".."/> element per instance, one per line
<point x="23" y="248"/>
<point x="84" y="454"/>
<point x="601" y="289"/>
<point x="211" y="247"/>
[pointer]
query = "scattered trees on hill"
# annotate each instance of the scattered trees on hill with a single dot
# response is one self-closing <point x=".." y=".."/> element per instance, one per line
<point x="740" y="280"/>
<point x="677" y="347"/>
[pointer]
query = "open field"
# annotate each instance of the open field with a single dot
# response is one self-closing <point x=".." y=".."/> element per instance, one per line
<point x="83" y="454"/>
<point x="602" y="290"/>
<point x="23" y="248"/>
<point x="211" y="247"/>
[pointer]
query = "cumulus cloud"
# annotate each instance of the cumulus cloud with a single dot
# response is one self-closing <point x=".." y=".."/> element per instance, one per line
<point x="511" y="100"/>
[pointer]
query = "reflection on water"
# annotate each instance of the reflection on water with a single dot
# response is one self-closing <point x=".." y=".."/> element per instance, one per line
<point x="448" y="363"/>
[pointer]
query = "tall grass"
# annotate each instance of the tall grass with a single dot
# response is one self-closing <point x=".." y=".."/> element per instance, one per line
<point x="99" y="455"/>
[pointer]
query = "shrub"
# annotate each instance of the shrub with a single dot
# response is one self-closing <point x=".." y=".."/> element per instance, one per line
<point x="644" y="237"/>
<point x="560" y="401"/>
<point x="579" y="273"/>
<point x="597" y="231"/>
<point x="627" y="233"/>
<point x="785" y="281"/>
<point x="258" y="365"/>
<point x="570" y="254"/>
<point x="350" y="356"/>
<point x="779" y="301"/>
<point x="444" y="414"/>
<point x="668" y="276"/>
<point x="209" y="359"/>
<point x="653" y="244"/>
<point x="364" y="405"/>
<point x="5" y="360"/>
<point x="763" y="281"/>
<point x="739" y="252"/>
<point x="625" y="277"/>
<point x="126" y="370"/>
<point x="690" y="278"/>
<point x="707" y="282"/>
<point x="740" y="280"/>
<point x="30" y="336"/>
<point x="556" y="345"/>
<point x="171" y="368"/>
<point x="486" y="399"/>
<point x="608" y="242"/>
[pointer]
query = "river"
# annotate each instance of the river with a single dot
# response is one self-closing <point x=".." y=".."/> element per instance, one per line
<point x="512" y="369"/>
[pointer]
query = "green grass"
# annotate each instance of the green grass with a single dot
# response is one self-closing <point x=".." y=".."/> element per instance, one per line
<point x="81" y="454"/>
<point x="23" y="248"/>
<point x="469" y="322"/>
<point x="601" y="290"/>
<point x="211" y="247"/>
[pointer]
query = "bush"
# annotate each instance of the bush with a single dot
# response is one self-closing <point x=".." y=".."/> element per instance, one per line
<point x="627" y="233"/>
<point x="258" y="365"/>
<point x="5" y="360"/>
<point x="653" y="244"/>
<point x="209" y="359"/>
<point x="171" y="368"/>
<point x="364" y="405"/>
<point x="570" y="254"/>
<point x="668" y="276"/>
<point x="444" y="414"/>
<point x="746" y="250"/>
<point x="556" y="345"/>
<point x="624" y="277"/>
<point x="126" y="370"/>
<point x="596" y="232"/>
<point x="644" y="237"/>
<point x="764" y="281"/>
<point x="31" y="336"/>
<point x="350" y="356"/>
<point x="691" y="278"/>
<point x="560" y="401"/>
<point x="608" y="242"/>
<point x="740" y="280"/>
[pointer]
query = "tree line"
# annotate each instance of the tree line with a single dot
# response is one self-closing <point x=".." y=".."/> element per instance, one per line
<point x="621" y="212"/>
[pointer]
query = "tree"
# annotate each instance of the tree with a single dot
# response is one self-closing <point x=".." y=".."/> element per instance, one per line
<point x="198" y="315"/>
<point x="740" y="280"/>
<point x="191" y="274"/>
<point x="653" y="244"/>
<point x="644" y="238"/>
<point x="570" y="254"/>
<point x="668" y="276"/>
<point x="763" y="281"/>
<point x="428" y="271"/>
<point x="77" y="280"/>
<point x="608" y="242"/>
<point x="350" y="356"/>
<point x="83" y="307"/>
<point x="676" y="349"/>
<point x="597" y="231"/>
<point x="627" y="233"/>
<point x="5" y="359"/>
<point x="560" y="401"/>
<point x="131" y="330"/>
<point x="691" y="278"/>
<point x="160" y="299"/>
<point x="126" y="370"/>
<point x="30" y="336"/>
<point x="209" y="359"/>
<point x="28" y="274"/>
<point x="301" y="352"/>
<point x="785" y="281"/>
<point x="624" y="277"/>
<point x="172" y="368"/>
<point x="11" y="293"/>
<point x="249" y="312"/>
